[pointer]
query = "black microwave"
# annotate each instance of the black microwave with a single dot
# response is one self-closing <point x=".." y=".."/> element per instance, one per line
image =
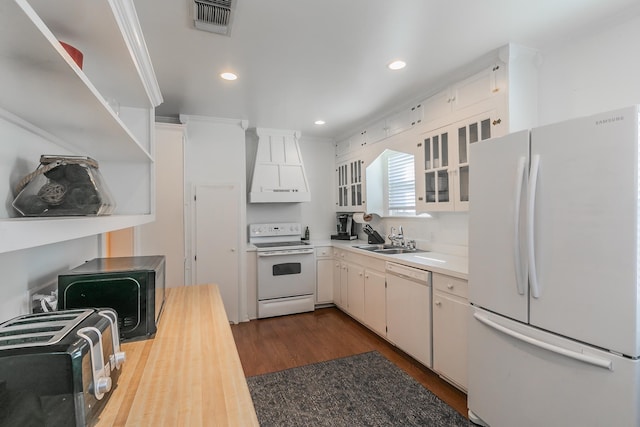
<point x="133" y="286"/>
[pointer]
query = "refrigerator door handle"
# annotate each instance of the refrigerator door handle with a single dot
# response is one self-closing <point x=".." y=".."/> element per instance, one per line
<point x="581" y="357"/>
<point x="520" y="175"/>
<point x="533" y="181"/>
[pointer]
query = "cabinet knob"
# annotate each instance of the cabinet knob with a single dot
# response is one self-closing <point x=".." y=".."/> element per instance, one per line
<point x="497" y="122"/>
<point x="449" y="286"/>
<point x="438" y="303"/>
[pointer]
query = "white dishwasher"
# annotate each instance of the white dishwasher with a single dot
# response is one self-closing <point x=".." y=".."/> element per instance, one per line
<point x="409" y="310"/>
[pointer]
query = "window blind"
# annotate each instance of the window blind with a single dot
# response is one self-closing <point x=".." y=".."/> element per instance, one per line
<point x="402" y="184"/>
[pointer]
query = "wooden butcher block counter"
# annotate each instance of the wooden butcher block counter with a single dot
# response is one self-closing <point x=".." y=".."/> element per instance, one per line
<point x="188" y="375"/>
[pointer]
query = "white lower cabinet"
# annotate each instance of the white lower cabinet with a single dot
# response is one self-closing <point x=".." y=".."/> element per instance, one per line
<point x="375" y="304"/>
<point x="340" y="284"/>
<point x="324" y="275"/>
<point x="359" y="288"/>
<point x="450" y="317"/>
<point x="355" y="291"/>
<point x="339" y="279"/>
<point x="428" y="323"/>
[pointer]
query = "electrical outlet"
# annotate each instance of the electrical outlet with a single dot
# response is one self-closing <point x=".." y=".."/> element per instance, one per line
<point x="46" y="289"/>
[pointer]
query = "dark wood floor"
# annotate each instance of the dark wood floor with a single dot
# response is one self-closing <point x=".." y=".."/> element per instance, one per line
<point x="274" y="344"/>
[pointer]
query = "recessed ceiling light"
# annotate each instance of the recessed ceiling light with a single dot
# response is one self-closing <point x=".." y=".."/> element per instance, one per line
<point x="228" y="76"/>
<point x="397" y="65"/>
<point x="319" y="122"/>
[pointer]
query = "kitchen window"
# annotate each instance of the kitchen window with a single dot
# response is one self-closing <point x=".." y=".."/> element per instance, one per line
<point x="401" y="184"/>
<point x="391" y="185"/>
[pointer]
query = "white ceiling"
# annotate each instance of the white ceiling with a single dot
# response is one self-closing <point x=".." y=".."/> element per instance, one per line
<point x="302" y="60"/>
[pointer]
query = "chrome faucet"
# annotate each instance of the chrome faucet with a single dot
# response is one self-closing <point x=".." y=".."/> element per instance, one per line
<point x="400" y="236"/>
<point x="397" y="239"/>
<point x="392" y="236"/>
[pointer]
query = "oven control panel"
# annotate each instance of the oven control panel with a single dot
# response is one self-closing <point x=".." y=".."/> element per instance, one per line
<point x="275" y="229"/>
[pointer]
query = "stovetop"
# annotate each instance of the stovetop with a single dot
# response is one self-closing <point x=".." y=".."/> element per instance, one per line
<point x="274" y="236"/>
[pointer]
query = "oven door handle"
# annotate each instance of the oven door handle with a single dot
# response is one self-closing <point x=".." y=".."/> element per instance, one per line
<point x="281" y="253"/>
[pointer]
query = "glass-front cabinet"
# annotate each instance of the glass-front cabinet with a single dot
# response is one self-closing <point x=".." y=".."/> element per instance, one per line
<point x="350" y="181"/>
<point x="444" y="162"/>
<point x="436" y="166"/>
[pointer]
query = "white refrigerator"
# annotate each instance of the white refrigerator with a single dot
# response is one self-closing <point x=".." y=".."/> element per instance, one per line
<point x="554" y="275"/>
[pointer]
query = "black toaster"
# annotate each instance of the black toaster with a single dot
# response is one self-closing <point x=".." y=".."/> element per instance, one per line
<point x="58" y="368"/>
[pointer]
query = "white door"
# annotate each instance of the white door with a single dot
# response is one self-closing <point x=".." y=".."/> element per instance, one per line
<point x="497" y="204"/>
<point x="216" y="237"/>
<point x="585" y="227"/>
<point x="165" y="236"/>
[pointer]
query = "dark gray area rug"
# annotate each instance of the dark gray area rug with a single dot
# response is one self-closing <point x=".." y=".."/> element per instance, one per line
<point x="362" y="390"/>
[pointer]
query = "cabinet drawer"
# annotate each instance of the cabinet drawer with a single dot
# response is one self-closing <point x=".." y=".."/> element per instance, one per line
<point x="324" y="252"/>
<point x="356" y="258"/>
<point x="451" y="285"/>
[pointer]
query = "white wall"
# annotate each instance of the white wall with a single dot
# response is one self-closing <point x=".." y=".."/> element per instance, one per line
<point x="165" y="236"/>
<point x="33" y="268"/>
<point x="596" y="73"/>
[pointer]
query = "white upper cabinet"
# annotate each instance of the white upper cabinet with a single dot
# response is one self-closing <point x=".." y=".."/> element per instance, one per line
<point x="49" y="105"/>
<point x="442" y="165"/>
<point x="394" y="124"/>
<point x="359" y="141"/>
<point x="404" y="120"/>
<point x="350" y="179"/>
<point x="480" y="87"/>
<point x="498" y="99"/>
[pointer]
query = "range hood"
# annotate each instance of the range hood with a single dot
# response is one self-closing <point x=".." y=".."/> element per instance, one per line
<point x="278" y="175"/>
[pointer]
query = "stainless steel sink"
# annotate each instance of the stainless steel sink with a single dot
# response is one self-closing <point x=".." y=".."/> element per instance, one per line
<point x="388" y="249"/>
<point x="392" y="251"/>
<point x="373" y="247"/>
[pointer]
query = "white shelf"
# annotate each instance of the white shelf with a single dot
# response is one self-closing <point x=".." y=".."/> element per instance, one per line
<point x="65" y="109"/>
<point x="23" y="233"/>
<point x="42" y="85"/>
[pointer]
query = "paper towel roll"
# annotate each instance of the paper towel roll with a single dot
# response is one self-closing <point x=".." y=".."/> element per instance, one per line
<point x="361" y="218"/>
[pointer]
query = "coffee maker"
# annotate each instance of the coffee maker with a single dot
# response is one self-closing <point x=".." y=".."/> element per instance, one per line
<point x="346" y="227"/>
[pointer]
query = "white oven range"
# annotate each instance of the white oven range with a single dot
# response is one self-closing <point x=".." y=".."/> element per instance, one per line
<point x="286" y="269"/>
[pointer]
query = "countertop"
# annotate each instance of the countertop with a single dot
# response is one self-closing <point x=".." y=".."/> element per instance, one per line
<point x="437" y="262"/>
<point x="189" y="374"/>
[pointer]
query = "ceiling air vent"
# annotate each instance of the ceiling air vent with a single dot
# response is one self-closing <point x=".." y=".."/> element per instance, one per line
<point x="213" y="15"/>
